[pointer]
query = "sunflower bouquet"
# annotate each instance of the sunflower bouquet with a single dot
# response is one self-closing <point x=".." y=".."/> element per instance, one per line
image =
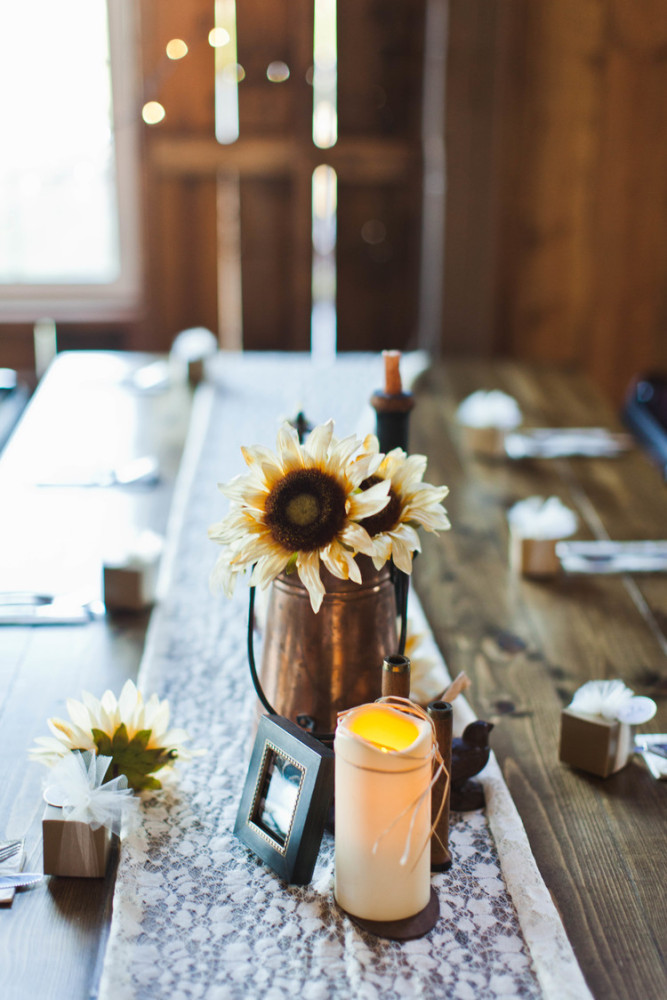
<point x="323" y="502"/>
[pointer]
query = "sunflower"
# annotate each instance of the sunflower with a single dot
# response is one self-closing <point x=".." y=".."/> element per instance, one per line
<point x="132" y="732"/>
<point x="297" y="508"/>
<point x="412" y="504"/>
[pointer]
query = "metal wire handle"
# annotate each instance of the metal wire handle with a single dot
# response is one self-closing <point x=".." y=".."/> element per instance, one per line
<point x="401" y="589"/>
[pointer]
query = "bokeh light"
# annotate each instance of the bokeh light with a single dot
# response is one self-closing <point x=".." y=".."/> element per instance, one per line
<point x="153" y="112"/>
<point x="176" y="48"/>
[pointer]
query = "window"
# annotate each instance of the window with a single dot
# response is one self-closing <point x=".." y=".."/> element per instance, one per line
<point x="68" y="174"/>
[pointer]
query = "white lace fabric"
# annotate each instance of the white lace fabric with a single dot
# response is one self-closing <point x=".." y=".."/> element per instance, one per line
<point x="198" y="917"/>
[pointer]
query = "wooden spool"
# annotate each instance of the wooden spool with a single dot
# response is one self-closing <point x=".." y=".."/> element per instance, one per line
<point x="442" y="714"/>
<point x="396" y="677"/>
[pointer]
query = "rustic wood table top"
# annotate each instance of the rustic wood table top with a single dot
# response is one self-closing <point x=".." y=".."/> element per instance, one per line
<point x="526" y="645"/>
<point x="85" y="417"/>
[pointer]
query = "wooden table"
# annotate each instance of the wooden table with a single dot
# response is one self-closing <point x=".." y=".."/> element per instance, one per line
<point x="527" y="646"/>
<point x="84" y="414"/>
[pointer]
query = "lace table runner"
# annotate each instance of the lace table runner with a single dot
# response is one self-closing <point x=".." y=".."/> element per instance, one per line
<point x="196" y="916"/>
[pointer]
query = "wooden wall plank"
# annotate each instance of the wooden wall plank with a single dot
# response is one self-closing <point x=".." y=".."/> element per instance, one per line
<point x="378" y="266"/>
<point x="556" y="85"/>
<point x="279" y="31"/>
<point x="269" y="322"/>
<point x="628" y="318"/>
<point x="556" y="176"/>
<point x="473" y="75"/>
<point x="380" y="56"/>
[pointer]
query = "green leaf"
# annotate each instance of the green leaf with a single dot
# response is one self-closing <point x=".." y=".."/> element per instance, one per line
<point x="120" y="738"/>
<point x="102" y="742"/>
<point x="291" y="565"/>
<point x="149" y="783"/>
<point x="140" y="739"/>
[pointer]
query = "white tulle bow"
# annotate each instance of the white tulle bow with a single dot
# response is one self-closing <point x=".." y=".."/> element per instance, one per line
<point x="76" y="784"/>
<point x="614" y="701"/>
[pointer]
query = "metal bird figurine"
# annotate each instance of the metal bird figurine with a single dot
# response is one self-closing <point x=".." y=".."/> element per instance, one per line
<point x="470" y="753"/>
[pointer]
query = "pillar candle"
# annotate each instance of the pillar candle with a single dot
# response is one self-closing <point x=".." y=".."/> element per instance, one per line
<point x="383" y="769"/>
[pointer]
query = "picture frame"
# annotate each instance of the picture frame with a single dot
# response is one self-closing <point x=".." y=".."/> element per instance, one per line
<point x="286" y="798"/>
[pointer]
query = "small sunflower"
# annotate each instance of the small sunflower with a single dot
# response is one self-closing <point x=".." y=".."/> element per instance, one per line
<point x="297" y="508"/>
<point x="132" y="732"/>
<point x="412" y="504"/>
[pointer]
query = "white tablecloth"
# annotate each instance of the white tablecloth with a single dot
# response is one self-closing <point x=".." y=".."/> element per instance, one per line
<point x="196" y="916"/>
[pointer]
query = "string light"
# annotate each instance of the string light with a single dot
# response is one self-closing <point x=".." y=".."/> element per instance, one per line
<point x="278" y="71"/>
<point x="176" y="48"/>
<point x="152" y="112"/>
<point x="217" y="37"/>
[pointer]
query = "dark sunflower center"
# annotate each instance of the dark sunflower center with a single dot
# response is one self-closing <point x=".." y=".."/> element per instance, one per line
<point x="388" y="517"/>
<point x="305" y="510"/>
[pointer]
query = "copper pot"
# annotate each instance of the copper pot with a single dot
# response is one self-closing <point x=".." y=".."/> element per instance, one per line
<point x="317" y="665"/>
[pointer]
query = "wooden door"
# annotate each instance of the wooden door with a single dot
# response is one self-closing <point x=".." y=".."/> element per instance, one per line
<point x="230" y="225"/>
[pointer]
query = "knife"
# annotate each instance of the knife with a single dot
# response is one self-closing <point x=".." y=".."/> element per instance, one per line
<point x="16" y="881"/>
<point x="613" y="557"/>
<point x="27" y="608"/>
<point x="142" y="471"/>
<point x="545" y="442"/>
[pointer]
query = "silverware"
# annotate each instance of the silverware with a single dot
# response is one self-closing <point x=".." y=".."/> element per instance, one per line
<point x="142" y="471"/>
<point x="9" y="850"/>
<point x="613" y="557"/>
<point x="546" y="442"/>
<point x="16" y="881"/>
<point x="28" y="608"/>
<point x="653" y="748"/>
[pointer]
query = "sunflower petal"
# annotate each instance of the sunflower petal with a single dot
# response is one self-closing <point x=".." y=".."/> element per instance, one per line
<point x="308" y="567"/>
<point x="341" y="562"/>
<point x="402" y="555"/>
<point x="370" y="501"/>
<point x="268" y="567"/>
<point x="358" y="539"/>
<point x="317" y="445"/>
<point x="289" y="449"/>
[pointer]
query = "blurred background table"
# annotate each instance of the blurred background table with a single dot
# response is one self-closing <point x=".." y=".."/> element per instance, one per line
<point x="527" y="646"/>
<point x="85" y="415"/>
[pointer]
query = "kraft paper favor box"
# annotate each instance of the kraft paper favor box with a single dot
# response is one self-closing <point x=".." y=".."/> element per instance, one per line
<point x="534" y="557"/>
<point x="593" y="743"/>
<point x="130" y="586"/>
<point x="486" y="441"/>
<point x="72" y="848"/>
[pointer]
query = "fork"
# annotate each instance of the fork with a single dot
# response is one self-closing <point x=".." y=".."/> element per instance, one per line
<point x="9" y="849"/>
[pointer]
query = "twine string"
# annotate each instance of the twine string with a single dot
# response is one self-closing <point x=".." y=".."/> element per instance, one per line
<point x="409" y="708"/>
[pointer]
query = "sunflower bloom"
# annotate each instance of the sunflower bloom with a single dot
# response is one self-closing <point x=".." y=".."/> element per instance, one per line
<point x="412" y="504"/>
<point x="299" y="508"/>
<point x="134" y="733"/>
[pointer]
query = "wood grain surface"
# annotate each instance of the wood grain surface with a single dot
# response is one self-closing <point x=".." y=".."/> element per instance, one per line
<point x="83" y="414"/>
<point x="527" y="646"/>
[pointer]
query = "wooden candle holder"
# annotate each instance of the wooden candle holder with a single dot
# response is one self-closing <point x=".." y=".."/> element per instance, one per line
<point x="392" y="406"/>
<point x="442" y="714"/>
<point x="396" y="677"/>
